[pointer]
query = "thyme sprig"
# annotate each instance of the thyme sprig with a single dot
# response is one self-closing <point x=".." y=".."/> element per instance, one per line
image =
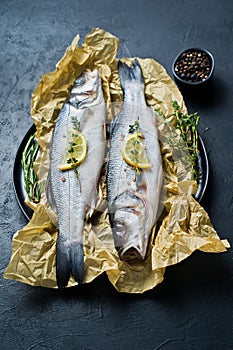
<point x="76" y="123"/>
<point x="187" y="127"/>
<point x="32" y="185"/>
<point x="134" y="127"/>
<point x="72" y="160"/>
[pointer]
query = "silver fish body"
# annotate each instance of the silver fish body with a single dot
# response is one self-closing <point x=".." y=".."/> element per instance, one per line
<point x="66" y="197"/>
<point x="133" y="198"/>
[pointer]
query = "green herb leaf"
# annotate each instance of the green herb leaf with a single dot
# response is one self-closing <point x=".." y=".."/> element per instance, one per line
<point x="134" y="127"/>
<point x="32" y="185"/>
<point x="186" y="125"/>
<point x="75" y="122"/>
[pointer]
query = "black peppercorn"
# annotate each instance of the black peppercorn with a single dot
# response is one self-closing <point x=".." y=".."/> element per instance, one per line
<point x="193" y="66"/>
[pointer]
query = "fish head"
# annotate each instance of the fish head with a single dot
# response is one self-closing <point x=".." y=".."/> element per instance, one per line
<point x="129" y="227"/>
<point x="85" y="89"/>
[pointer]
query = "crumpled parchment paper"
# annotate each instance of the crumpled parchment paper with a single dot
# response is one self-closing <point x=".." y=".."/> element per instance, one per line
<point x="184" y="225"/>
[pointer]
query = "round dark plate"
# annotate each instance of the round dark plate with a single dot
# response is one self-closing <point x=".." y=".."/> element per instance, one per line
<point x="18" y="180"/>
<point x="203" y="165"/>
<point x="21" y="194"/>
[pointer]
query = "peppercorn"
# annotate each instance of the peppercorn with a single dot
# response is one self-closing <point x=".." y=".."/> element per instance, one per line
<point x="193" y="66"/>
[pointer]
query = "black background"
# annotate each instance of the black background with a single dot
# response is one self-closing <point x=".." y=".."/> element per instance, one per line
<point x="193" y="307"/>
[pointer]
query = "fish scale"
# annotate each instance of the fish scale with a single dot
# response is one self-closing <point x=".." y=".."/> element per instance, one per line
<point x="66" y="197"/>
<point x="133" y="198"/>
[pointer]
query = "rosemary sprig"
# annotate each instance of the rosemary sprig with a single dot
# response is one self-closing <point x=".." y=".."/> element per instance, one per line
<point x="187" y="125"/>
<point x="32" y="185"/>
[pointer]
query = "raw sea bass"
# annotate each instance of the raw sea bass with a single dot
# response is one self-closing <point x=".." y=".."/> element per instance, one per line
<point x="70" y="194"/>
<point x="133" y="197"/>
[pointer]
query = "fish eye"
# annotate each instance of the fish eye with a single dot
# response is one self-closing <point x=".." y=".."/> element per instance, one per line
<point x="80" y="81"/>
<point x="119" y="228"/>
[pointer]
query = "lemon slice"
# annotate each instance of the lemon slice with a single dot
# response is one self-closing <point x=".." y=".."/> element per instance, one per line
<point x="75" y="152"/>
<point x="134" y="151"/>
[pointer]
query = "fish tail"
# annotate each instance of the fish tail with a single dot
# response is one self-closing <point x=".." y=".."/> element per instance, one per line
<point x="77" y="261"/>
<point x="130" y="74"/>
<point x="62" y="264"/>
<point x="69" y="260"/>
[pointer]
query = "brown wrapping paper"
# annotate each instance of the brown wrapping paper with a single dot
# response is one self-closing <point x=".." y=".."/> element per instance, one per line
<point x="184" y="227"/>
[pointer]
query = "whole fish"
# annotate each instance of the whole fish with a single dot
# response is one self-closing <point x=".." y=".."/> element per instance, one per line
<point x="133" y="197"/>
<point x="71" y="193"/>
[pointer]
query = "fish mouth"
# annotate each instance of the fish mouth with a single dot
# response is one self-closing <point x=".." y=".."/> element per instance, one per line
<point x="82" y="94"/>
<point x="77" y="100"/>
<point x="131" y="253"/>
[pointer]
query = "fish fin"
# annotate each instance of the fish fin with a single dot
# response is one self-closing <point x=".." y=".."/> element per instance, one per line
<point x="49" y="193"/>
<point x="111" y="126"/>
<point x="114" y="123"/>
<point x="62" y="263"/>
<point x="130" y="74"/>
<point x="77" y="261"/>
<point x="92" y="206"/>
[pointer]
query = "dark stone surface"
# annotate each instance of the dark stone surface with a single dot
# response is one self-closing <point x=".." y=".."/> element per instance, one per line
<point x="193" y="308"/>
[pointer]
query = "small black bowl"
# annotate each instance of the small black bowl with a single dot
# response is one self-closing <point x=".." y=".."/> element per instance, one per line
<point x="193" y="67"/>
